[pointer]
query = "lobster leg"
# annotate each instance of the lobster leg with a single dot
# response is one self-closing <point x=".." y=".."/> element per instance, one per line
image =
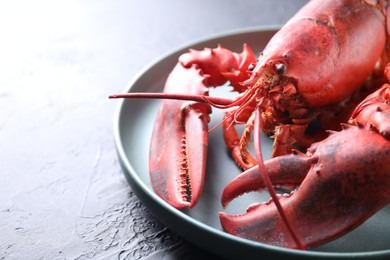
<point x="178" y="147"/>
<point x="347" y="182"/>
<point x="287" y="137"/>
<point x="238" y="145"/>
<point x="374" y="111"/>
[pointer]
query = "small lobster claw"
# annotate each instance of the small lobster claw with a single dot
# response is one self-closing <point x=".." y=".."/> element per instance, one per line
<point x="345" y="181"/>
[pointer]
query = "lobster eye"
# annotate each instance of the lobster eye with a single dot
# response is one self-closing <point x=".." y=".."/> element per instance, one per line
<point x="280" y="68"/>
<point x="251" y="67"/>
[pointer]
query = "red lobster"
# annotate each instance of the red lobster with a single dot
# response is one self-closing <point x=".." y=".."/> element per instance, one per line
<point x="310" y="73"/>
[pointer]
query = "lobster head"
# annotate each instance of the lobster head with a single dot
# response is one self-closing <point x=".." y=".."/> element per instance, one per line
<point x="301" y="72"/>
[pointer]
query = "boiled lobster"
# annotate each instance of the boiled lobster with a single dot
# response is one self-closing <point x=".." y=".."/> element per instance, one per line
<point x="310" y="73"/>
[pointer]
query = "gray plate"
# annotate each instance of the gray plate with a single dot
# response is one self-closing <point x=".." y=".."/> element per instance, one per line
<point x="133" y="125"/>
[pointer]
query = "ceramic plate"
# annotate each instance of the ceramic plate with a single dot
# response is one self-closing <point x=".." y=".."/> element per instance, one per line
<point x="133" y="125"/>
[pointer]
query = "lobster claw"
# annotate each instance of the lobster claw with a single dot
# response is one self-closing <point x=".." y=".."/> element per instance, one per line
<point x="178" y="149"/>
<point x="346" y="182"/>
<point x="285" y="171"/>
<point x="178" y="146"/>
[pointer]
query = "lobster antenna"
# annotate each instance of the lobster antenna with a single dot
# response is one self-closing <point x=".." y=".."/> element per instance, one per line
<point x="267" y="180"/>
<point x="213" y="101"/>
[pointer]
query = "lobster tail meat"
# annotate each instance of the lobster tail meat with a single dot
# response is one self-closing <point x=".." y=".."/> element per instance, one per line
<point x="346" y="183"/>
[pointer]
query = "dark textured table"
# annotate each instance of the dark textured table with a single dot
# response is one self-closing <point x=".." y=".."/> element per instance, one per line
<point x="62" y="192"/>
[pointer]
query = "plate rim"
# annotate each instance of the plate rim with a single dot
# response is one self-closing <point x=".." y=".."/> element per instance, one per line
<point x="141" y="189"/>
